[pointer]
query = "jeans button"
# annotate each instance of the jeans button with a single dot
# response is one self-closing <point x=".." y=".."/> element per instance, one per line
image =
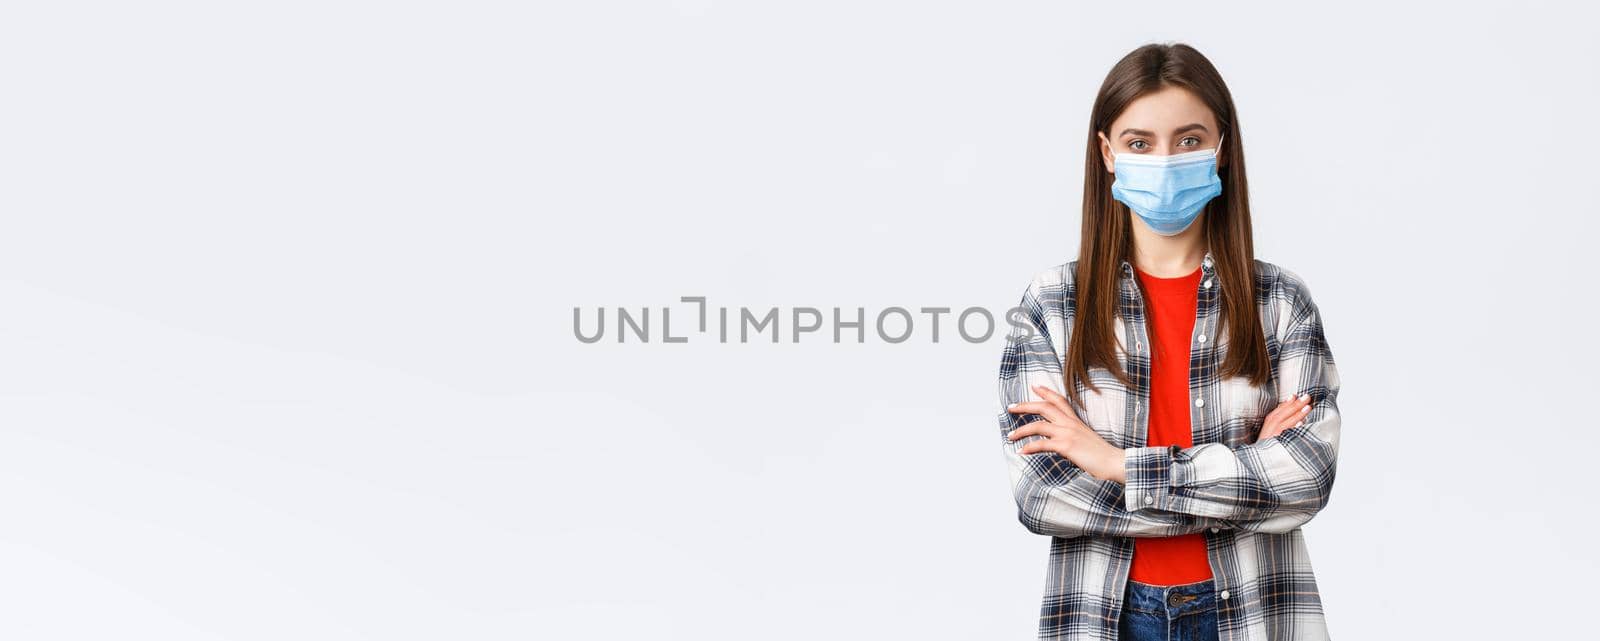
<point x="1175" y="600"/>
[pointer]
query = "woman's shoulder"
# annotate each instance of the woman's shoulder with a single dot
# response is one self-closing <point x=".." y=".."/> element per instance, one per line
<point x="1050" y="298"/>
<point x="1056" y="275"/>
<point x="1053" y="281"/>
<point x="1283" y="289"/>
<point x="1278" y="276"/>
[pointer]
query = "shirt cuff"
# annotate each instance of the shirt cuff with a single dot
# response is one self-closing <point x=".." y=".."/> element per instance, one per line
<point x="1148" y="472"/>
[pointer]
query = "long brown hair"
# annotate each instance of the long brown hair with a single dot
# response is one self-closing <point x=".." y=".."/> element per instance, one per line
<point x="1107" y="236"/>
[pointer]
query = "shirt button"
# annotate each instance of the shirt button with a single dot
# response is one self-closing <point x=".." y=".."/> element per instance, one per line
<point x="1149" y="499"/>
<point x="1199" y="402"/>
<point x="1224" y="594"/>
<point x="1206" y="284"/>
<point x="1213" y="529"/>
<point x="1202" y="338"/>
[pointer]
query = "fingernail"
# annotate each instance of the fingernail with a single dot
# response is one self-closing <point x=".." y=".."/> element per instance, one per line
<point x="1300" y="424"/>
<point x="1304" y="396"/>
<point x="1305" y="408"/>
<point x="1011" y="406"/>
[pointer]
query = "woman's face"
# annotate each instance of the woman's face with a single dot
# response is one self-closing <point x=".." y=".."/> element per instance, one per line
<point x="1172" y="120"/>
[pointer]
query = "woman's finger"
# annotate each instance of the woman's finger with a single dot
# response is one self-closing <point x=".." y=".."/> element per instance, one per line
<point x="1287" y="409"/>
<point x="1297" y="420"/>
<point x="1028" y="429"/>
<point x="1295" y="417"/>
<point x="1034" y="427"/>
<point x="1032" y="447"/>
<point x="1277" y="413"/>
<point x="1270" y="430"/>
<point x="1288" y="419"/>
<point x="1043" y="408"/>
<point x="1039" y="428"/>
<point x="1057" y="399"/>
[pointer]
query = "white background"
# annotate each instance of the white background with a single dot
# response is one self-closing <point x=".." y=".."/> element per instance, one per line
<point x="286" y="297"/>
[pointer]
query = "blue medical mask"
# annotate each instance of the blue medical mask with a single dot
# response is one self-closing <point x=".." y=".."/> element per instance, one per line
<point x="1168" y="192"/>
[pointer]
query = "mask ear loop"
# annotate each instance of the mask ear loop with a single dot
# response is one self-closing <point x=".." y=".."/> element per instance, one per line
<point x="1218" y="150"/>
<point x="1109" y="145"/>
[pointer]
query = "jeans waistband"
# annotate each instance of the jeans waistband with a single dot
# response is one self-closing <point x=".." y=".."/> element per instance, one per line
<point x="1172" y="600"/>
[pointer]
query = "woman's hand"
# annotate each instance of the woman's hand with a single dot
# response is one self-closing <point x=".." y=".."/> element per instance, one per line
<point x="1290" y="413"/>
<point x="1066" y="435"/>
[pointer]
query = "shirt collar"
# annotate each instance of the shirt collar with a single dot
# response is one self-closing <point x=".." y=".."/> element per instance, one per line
<point x="1206" y="267"/>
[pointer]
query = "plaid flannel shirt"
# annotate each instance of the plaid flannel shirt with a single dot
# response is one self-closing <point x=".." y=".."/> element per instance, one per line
<point x="1248" y="498"/>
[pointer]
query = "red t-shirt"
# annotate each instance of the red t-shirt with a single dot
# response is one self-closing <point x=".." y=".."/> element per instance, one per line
<point x="1170" y="307"/>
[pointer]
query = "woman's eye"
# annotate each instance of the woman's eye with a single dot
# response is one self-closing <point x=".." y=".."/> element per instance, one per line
<point x="1185" y="142"/>
<point x="1136" y="145"/>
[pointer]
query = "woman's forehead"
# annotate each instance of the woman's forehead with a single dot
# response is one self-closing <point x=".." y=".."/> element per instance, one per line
<point x="1168" y="111"/>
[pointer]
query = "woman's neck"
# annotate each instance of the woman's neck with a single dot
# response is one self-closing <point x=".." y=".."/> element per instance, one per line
<point x="1169" y="256"/>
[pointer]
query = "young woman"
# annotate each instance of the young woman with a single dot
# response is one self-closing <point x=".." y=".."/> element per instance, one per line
<point x="1171" y="418"/>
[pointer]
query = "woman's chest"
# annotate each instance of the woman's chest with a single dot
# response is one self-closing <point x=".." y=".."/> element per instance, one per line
<point x="1174" y="385"/>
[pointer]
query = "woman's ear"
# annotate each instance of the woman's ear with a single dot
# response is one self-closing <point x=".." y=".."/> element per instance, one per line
<point x="1107" y="155"/>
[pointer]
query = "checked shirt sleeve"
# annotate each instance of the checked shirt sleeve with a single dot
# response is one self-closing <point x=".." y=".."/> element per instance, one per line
<point x="1054" y="496"/>
<point x="1274" y="485"/>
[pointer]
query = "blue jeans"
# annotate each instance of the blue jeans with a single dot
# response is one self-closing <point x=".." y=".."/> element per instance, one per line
<point x="1185" y="612"/>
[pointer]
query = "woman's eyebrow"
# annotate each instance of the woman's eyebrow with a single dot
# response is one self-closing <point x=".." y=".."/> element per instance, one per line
<point x="1189" y="127"/>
